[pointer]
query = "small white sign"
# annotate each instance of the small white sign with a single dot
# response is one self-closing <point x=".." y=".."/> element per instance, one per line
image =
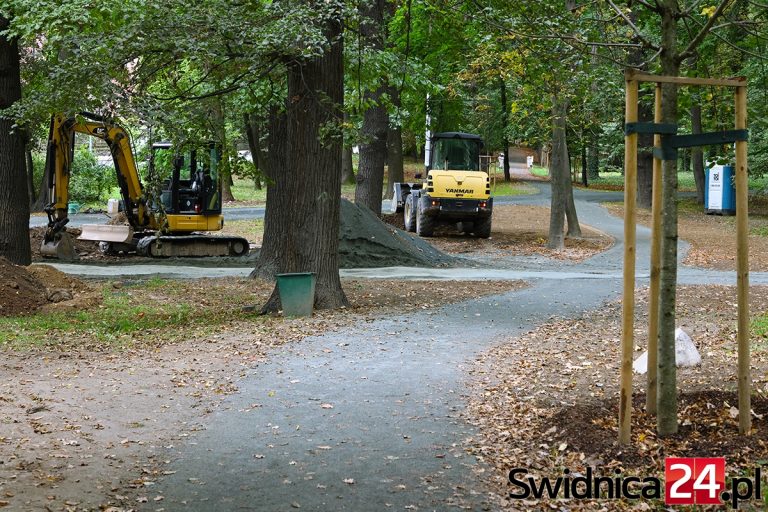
<point x="715" y="186"/>
<point x="530" y="161"/>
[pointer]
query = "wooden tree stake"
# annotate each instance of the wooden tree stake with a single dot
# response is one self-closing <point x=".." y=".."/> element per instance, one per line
<point x="655" y="285"/>
<point x="628" y="302"/>
<point x="742" y="264"/>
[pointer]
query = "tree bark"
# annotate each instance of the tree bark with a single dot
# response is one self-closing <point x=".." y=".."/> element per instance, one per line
<point x="30" y="176"/>
<point x="574" y="230"/>
<point x="645" y="159"/>
<point x="273" y="242"/>
<point x="14" y="203"/>
<point x="347" y="167"/>
<point x="252" y="132"/>
<point x="373" y="150"/>
<point x="584" y="173"/>
<point x="309" y="220"/>
<point x="559" y="175"/>
<point x="395" y="166"/>
<point x="504" y="124"/>
<point x="697" y="155"/>
<point x="225" y="170"/>
<point x="666" y="419"/>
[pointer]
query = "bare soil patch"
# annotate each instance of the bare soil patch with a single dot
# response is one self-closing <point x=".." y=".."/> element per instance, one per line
<point x="87" y="426"/>
<point x="24" y="290"/>
<point x="548" y="400"/>
<point x="713" y="237"/>
<point x="517" y="230"/>
<point x="86" y="249"/>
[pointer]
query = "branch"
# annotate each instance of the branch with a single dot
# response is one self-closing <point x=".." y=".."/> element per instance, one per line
<point x="737" y="48"/>
<point x="704" y="31"/>
<point x="648" y="6"/>
<point x="636" y="30"/>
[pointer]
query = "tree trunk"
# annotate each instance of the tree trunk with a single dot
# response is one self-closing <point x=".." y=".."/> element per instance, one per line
<point x="559" y="175"/>
<point x="574" y="230"/>
<point x="347" y="167"/>
<point x="666" y="419"/>
<point x="14" y="203"/>
<point x="373" y="150"/>
<point x="225" y="170"/>
<point x="697" y="155"/>
<point x="593" y="157"/>
<point x="275" y="164"/>
<point x="584" y="173"/>
<point x="251" y="125"/>
<point x="308" y="222"/>
<point x="504" y="123"/>
<point x="30" y="177"/>
<point x="645" y="159"/>
<point x="395" y="166"/>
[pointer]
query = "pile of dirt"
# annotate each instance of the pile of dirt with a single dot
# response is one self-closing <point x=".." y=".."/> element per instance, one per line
<point x="84" y="248"/>
<point x="365" y="241"/>
<point x="24" y="290"/>
<point x="20" y="292"/>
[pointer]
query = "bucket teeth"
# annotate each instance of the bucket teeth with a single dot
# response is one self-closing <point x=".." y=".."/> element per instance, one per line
<point x="61" y="247"/>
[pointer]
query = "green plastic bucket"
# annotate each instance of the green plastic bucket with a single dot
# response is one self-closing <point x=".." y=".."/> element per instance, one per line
<point x="73" y="208"/>
<point x="297" y="293"/>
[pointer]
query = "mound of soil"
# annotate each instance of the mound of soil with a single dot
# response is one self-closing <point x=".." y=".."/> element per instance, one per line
<point x="365" y="241"/>
<point x="24" y="290"/>
<point x="84" y="248"/>
<point x="20" y="292"/>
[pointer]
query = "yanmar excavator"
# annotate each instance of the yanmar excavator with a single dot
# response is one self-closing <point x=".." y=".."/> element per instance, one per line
<point x="168" y="226"/>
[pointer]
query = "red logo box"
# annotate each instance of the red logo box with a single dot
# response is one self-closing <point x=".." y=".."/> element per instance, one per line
<point x="694" y="481"/>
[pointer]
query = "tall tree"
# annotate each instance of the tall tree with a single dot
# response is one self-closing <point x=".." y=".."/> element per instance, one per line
<point x="308" y="222"/>
<point x="14" y="202"/>
<point x="373" y="149"/>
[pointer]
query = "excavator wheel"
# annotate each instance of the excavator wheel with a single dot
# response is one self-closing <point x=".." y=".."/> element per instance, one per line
<point x="409" y="214"/>
<point x="425" y="225"/>
<point x="482" y="228"/>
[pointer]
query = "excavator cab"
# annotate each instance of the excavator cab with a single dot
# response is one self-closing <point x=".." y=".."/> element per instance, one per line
<point x="190" y="181"/>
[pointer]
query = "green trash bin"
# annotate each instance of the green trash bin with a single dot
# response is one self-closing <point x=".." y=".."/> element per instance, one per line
<point x="297" y="293"/>
<point x="73" y="208"/>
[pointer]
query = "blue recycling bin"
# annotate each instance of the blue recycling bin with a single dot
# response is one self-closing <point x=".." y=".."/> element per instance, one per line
<point x="720" y="192"/>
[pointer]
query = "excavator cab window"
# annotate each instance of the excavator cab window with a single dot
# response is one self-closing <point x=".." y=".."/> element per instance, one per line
<point x="191" y="184"/>
<point x="456" y="154"/>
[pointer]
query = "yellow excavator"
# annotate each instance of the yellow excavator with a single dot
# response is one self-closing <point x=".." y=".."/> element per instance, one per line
<point x="167" y="226"/>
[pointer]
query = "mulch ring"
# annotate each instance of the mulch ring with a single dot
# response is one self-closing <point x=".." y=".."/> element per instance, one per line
<point x="548" y="400"/>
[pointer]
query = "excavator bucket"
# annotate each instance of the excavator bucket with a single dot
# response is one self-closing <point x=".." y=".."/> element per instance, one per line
<point x="61" y="247"/>
<point x="105" y="233"/>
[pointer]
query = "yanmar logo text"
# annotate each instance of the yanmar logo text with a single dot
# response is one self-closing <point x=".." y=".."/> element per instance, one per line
<point x="459" y="190"/>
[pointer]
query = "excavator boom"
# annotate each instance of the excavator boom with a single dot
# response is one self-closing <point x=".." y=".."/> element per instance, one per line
<point x="187" y="205"/>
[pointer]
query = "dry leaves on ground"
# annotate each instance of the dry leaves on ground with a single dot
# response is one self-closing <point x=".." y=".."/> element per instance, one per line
<point x="517" y="230"/>
<point x="548" y="400"/>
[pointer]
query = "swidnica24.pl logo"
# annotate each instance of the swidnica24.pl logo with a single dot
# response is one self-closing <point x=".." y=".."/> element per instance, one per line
<point x="687" y="481"/>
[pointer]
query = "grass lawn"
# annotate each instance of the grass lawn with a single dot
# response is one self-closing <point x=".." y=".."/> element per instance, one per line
<point x="685" y="180"/>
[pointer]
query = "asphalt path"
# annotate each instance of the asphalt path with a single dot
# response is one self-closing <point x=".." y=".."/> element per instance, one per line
<point x="369" y="417"/>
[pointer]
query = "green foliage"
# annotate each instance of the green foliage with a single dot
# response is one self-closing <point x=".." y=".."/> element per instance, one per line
<point x="90" y="182"/>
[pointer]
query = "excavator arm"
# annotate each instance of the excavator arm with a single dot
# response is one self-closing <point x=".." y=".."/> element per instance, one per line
<point x="59" y="158"/>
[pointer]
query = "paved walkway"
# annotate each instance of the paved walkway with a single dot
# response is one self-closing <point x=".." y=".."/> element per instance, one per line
<point x="369" y="418"/>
